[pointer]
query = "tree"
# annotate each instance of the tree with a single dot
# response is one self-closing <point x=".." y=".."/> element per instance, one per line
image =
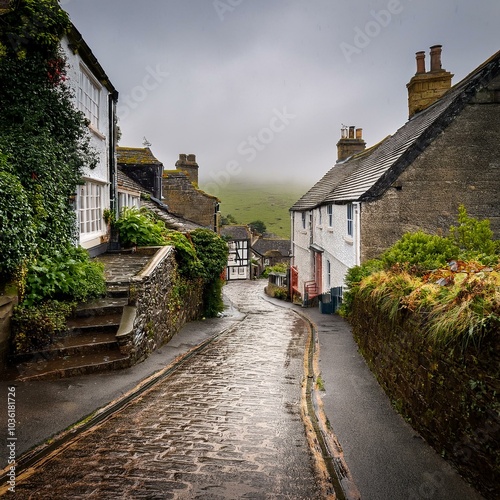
<point x="44" y="138"/>
<point x="258" y="226"/>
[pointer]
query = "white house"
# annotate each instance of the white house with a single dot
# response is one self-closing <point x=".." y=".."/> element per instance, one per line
<point x="325" y="236"/>
<point x="96" y="97"/>
<point x="445" y="155"/>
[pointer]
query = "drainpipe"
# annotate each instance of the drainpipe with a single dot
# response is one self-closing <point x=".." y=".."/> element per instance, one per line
<point x="113" y="188"/>
<point x="357" y="243"/>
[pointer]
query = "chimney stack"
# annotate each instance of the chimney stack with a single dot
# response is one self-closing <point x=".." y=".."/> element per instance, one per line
<point x="351" y="142"/>
<point x="187" y="163"/>
<point x="425" y="88"/>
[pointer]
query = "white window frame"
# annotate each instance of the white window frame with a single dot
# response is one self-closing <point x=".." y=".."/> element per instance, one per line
<point x="350" y="219"/>
<point x="303" y="220"/>
<point x="320" y="216"/>
<point x="89" y="93"/>
<point x="329" y="210"/>
<point x="128" y="200"/>
<point x="90" y="207"/>
<point x="328" y="273"/>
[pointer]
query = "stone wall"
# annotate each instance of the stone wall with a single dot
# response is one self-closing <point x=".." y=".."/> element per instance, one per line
<point x="186" y="200"/>
<point x="449" y="396"/>
<point x="462" y="165"/>
<point x="162" y="305"/>
<point x="7" y="303"/>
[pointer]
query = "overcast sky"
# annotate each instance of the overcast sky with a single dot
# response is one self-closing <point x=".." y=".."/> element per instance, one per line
<point x="261" y="88"/>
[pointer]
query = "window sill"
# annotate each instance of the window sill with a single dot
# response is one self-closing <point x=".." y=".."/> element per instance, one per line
<point x="96" y="132"/>
<point x="349" y="240"/>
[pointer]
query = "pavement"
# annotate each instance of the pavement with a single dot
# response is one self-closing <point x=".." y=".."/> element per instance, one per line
<point x="387" y="459"/>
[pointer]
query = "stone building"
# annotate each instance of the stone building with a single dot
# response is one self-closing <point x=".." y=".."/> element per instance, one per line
<point x="184" y="198"/>
<point x="447" y="154"/>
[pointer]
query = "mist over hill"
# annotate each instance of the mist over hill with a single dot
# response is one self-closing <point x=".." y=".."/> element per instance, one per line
<point x="249" y="200"/>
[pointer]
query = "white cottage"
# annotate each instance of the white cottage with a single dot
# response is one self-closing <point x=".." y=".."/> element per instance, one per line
<point x="445" y="155"/>
<point x="96" y="97"/>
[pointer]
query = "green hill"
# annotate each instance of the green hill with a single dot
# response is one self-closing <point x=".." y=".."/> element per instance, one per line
<point x="269" y="202"/>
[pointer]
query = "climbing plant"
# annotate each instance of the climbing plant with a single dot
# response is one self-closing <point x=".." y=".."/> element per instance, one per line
<point x="44" y="140"/>
<point x="212" y="252"/>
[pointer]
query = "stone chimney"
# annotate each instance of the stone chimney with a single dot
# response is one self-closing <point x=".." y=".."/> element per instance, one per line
<point x="187" y="163"/>
<point x="425" y="88"/>
<point x="351" y="142"/>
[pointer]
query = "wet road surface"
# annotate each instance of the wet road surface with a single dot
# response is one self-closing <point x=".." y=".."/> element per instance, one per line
<point x="226" y="424"/>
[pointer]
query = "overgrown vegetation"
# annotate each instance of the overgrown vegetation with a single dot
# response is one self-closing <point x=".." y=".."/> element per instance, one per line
<point x="44" y="150"/>
<point x="201" y="255"/>
<point x="281" y="267"/>
<point x="34" y="328"/>
<point x="44" y="140"/>
<point x="66" y="275"/>
<point x="451" y="283"/>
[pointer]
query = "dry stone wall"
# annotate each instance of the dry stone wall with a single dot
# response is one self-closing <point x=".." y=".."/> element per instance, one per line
<point x="449" y="395"/>
<point x="163" y="304"/>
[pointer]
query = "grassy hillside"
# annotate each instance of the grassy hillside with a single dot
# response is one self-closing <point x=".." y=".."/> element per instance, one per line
<point x="270" y="202"/>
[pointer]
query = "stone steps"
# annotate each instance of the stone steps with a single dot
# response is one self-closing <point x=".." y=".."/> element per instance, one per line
<point x="88" y="346"/>
<point x="47" y="369"/>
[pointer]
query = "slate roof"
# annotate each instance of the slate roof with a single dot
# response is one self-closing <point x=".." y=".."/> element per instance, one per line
<point x="264" y="245"/>
<point x="236" y="232"/>
<point x="126" y="182"/>
<point x="367" y="175"/>
<point x="136" y="156"/>
<point x="172" y="221"/>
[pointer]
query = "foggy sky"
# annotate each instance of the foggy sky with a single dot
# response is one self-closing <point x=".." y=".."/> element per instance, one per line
<point x="261" y="88"/>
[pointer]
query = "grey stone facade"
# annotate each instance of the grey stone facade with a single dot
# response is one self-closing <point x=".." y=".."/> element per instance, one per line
<point x="157" y="310"/>
<point x="461" y="166"/>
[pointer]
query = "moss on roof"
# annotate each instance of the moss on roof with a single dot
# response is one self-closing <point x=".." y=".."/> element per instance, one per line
<point x="136" y="156"/>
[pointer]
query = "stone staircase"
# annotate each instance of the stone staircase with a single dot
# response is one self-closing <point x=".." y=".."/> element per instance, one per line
<point x="89" y="345"/>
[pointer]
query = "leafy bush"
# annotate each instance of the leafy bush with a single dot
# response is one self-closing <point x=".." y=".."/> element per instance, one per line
<point x="422" y="250"/>
<point x="16" y="244"/>
<point x="281" y="293"/>
<point x="65" y="275"/>
<point x="34" y="328"/>
<point x="474" y="238"/>
<point x="281" y="267"/>
<point x="139" y="227"/>
<point x="212" y="252"/>
<point x="187" y="259"/>
<point x="353" y="278"/>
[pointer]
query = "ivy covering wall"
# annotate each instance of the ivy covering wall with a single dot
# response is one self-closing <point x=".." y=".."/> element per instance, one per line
<point x="44" y="140"/>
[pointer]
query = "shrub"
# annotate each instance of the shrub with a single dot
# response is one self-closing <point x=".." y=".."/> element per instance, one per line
<point x="187" y="259"/>
<point x="139" y="227"/>
<point x="474" y="238"/>
<point x="422" y="250"/>
<point x="16" y="245"/>
<point x="281" y="293"/>
<point x="34" y="328"/>
<point x="212" y="252"/>
<point x="64" y="275"/>
<point x="282" y="267"/>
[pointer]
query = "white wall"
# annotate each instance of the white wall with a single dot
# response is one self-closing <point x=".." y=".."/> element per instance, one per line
<point x="339" y="248"/>
<point x="99" y="141"/>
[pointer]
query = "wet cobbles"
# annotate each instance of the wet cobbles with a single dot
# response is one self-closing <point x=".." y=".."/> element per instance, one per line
<point x="225" y="425"/>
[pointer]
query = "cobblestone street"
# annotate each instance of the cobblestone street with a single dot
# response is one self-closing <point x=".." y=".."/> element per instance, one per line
<point x="226" y="424"/>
